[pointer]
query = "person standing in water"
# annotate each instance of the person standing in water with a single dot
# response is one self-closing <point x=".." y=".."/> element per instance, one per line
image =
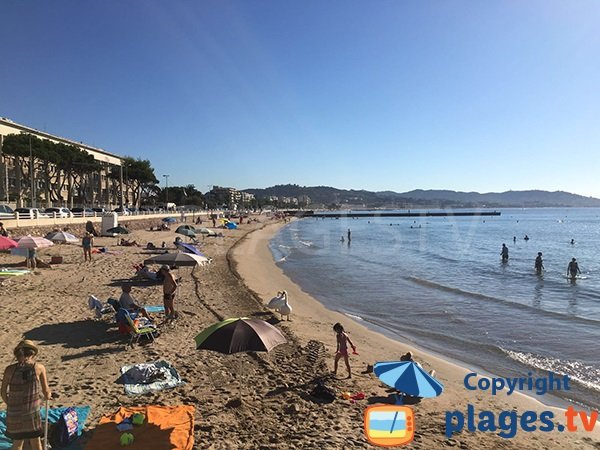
<point x="573" y="268"/>
<point x="504" y="253"/>
<point x="349" y="235"/>
<point x="539" y="265"/>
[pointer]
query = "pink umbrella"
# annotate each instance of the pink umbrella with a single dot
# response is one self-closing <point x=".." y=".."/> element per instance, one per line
<point x="34" y="242"/>
<point x="6" y="243"/>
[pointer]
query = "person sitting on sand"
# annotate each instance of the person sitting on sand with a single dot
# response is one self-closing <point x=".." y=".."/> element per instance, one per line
<point x="3" y="231"/>
<point x="128" y="302"/>
<point x="342" y="348"/>
<point x="23" y="385"/>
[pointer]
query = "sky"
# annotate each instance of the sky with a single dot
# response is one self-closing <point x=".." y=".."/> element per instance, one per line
<point x="377" y="95"/>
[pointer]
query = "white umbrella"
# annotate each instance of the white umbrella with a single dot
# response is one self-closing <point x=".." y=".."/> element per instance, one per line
<point x="34" y="242"/>
<point x="62" y="237"/>
<point x="178" y="259"/>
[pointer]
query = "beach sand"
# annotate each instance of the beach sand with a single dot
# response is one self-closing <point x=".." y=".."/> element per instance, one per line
<point x="83" y="355"/>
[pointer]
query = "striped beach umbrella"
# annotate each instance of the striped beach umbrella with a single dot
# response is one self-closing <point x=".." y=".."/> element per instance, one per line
<point x="34" y="242"/>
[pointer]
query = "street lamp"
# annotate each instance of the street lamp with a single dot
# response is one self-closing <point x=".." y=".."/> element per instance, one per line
<point x="167" y="191"/>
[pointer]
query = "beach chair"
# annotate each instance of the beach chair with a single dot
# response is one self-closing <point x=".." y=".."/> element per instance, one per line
<point x="137" y="332"/>
<point x="98" y="307"/>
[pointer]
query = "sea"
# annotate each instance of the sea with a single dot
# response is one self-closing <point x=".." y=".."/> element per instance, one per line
<point x="439" y="283"/>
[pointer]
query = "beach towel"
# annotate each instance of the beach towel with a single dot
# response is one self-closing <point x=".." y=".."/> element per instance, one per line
<point x="149" y="377"/>
<point x="154" y="309"/>
<point x="166" y="427"/>
<point x="55" y="413"/>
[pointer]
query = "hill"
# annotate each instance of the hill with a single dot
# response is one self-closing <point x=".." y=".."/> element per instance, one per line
<point x="326" y="196"/>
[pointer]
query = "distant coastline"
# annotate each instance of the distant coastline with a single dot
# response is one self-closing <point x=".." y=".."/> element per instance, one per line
<point x="325" y="197"/>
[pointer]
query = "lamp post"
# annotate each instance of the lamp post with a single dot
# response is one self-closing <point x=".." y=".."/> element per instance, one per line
<point x="166" y="191"/>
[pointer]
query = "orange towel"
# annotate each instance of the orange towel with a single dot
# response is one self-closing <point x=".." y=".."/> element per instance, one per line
<point x="166" y="427"/>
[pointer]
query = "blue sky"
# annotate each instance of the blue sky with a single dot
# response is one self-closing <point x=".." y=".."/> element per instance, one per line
<point x="383" y="95"/>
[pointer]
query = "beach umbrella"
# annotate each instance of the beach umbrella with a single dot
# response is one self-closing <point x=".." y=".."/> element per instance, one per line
<point x="6" y="243"/>
<point x="231" y="226"/>
<point x="186" y="227"/>
<point x="118" y="230"/>
<point x="178" y="259"/>
<point x="169" y="220"/>
<point x="408" y="377"/>
<point x="204" y="231"/>
<point x="189" y="248"/>
<point x="239" y="335"/>
<point x="185" y="232"/>
<point x="62" y="237"/>
<point x="34" y="242"/>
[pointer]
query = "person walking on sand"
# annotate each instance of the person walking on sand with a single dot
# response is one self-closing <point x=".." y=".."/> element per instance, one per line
<point x="573" y="268"/>
<point x="22" y="384"/>
<point x="169" y="288"/>
<point x="504" y="253"/>
<point x="87" y="242"/>
<point x="342" y="348"/>
<point x="538" y="265"/>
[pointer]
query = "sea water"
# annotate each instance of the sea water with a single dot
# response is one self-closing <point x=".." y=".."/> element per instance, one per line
<point x="440" y="283"/>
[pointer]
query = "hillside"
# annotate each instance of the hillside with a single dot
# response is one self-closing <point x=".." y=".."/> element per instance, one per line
<point x="328" y="197"/>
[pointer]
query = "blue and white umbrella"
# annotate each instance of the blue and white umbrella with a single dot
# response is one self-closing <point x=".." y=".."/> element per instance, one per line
<point x="408" y="377"/>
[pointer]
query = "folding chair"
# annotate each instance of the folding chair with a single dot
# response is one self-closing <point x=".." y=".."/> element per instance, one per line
<point x="137" y="332"/>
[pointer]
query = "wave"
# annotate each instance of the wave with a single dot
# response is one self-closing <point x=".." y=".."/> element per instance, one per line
<point x="479" y="296"/>
<point x="583" y="374"/>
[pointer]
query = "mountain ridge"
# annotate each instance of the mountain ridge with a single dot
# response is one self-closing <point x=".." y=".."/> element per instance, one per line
<point x="326" y="196"/>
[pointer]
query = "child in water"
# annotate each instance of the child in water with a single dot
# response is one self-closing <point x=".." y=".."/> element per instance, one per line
<point x="342" y="348"/>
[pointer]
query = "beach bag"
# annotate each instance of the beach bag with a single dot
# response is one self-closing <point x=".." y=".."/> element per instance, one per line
<point x="322" y="393"/>
<point x="65" y="430"/>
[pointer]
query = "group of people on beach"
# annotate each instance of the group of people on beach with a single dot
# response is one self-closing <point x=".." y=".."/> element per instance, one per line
<point x="572" y="269"/>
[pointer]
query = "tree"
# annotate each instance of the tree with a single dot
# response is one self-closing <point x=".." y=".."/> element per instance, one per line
<point x="138" y="179"/>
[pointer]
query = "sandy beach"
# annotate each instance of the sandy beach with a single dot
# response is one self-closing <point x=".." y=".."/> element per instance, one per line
<point x="83" y="355"/>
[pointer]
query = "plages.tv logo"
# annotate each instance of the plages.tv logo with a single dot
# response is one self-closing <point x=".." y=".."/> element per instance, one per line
<point x="389" y="425"/>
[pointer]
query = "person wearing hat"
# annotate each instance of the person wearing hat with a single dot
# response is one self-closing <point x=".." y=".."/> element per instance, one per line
<point x="22" y="386"/>
<point x="169" y="288"/>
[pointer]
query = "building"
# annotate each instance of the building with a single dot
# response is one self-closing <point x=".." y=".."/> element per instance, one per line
<point x="97" y="187"/>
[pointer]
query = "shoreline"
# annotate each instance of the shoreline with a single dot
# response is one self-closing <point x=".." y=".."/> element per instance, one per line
<point x="255" y="265"/>
<point x="84" y="355"/>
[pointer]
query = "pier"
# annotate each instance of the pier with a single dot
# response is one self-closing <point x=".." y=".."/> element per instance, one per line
<point x="358" y="214"/>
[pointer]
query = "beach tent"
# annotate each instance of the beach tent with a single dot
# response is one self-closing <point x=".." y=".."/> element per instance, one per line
<point x="239" y="334"/>
<point x="231" y="225"/>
